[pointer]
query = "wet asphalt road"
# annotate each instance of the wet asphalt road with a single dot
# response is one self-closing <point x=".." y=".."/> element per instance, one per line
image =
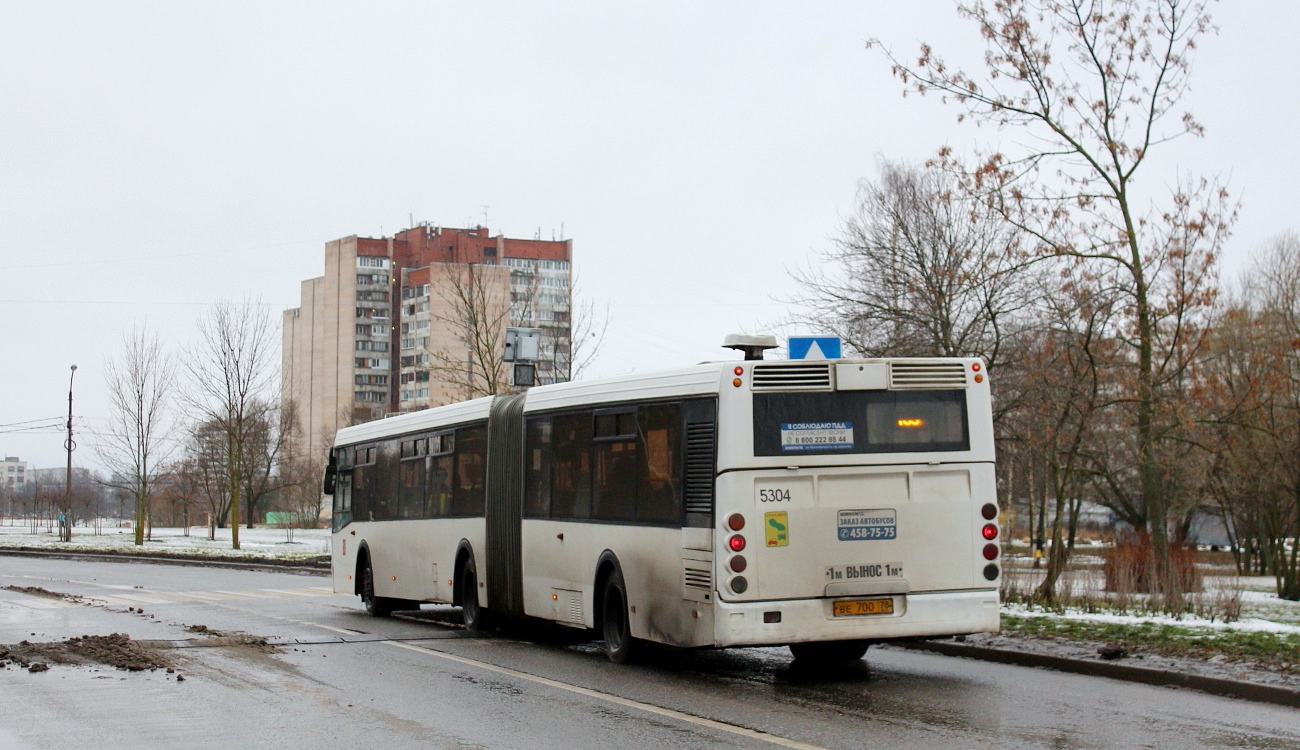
<point x="349" y="680"/>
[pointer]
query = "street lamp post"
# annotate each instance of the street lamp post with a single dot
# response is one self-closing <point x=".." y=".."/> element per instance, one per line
<point x="65" y="533"/>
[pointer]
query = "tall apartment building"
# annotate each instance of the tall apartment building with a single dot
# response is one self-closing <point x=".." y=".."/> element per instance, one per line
<point x="394" y="324"/>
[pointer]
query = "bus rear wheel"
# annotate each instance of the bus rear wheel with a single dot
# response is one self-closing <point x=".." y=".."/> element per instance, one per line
<point x="377" y="606"/>
<point x="828" y="652"/>
<point x="474" y="616"/>
<point x="620" y="646"/>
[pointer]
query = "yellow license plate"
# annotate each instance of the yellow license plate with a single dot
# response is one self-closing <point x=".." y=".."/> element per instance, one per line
<point x="859" y="607"/>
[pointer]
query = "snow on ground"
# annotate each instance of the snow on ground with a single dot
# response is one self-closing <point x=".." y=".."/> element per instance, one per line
<point x="1190" y="622"/>
<point x="256" y="543"/>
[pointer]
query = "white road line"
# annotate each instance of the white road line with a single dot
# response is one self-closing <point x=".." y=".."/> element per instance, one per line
<point x="243" y="594"/>
<point x="752" y="734"/>
<point x="137" y="599"/>
<point x="39" y="604"/>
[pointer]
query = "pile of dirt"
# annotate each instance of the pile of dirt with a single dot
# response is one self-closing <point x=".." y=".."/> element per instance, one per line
<point x="116" y="650"/>
<point x="242" y="640"/>
<point x="38" y="591"/>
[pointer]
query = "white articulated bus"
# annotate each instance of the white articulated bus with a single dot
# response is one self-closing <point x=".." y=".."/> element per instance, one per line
<point x="823" y="505"/>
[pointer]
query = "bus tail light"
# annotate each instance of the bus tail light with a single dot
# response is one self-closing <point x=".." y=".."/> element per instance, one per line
<point x="735" y="522"/>
<point x="738" y="564"/>
<point x="990" y="551"/>
<point x="739" y="584"/>
<point x="736" y="542"/>
<point x="771" y="617"/>
<point x="989" y="511"/>
<point x="991" y="572"/>
<point x="990" y="531"/>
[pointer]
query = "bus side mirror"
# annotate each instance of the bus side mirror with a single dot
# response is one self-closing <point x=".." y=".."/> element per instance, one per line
<point x="331" y="473"/>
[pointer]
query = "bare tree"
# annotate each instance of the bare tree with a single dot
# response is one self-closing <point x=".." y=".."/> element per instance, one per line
<point x="135" y="444"/>
<point x="475" y="304"/>
<point x="588" y="323"/>
<point x="1061" y="386"/>
<point x="267" y="452"/>
<point x="918" y="270"/>
<point x="1098" y="86"/>
<point x="1252" y="390"/>
<point x="232" y="373"/>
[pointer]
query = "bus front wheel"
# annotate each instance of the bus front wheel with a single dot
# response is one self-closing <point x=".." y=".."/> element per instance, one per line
<point x="377" y="606"/>
<point x="620" y="646"/>
<point x="828" y="652"/>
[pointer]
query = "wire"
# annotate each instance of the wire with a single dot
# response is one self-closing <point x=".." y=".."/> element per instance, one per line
<point x="124" y="302"/>
<point x="29" y="421"/>
<point x="137" y="259"/>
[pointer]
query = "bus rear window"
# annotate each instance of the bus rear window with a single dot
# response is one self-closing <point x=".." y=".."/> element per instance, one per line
<point x="860" y="422"/>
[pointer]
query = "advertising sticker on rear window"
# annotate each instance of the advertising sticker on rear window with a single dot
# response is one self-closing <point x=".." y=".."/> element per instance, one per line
<point x="855" y="525"/>
<point x="818" y="436"/>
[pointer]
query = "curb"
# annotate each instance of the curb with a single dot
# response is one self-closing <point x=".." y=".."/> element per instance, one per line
<point x="1251" y="691"/>
<point x="195" y="561"/>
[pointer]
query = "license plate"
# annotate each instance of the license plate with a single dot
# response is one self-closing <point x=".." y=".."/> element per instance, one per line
<point x="859" y="607"/>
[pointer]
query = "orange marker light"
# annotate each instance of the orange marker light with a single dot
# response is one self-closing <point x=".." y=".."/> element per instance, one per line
<point x="555" y="597"/>
<point x="910" y="423"/>
<point x="979" y="378"/>
<point x="736" y="382"/>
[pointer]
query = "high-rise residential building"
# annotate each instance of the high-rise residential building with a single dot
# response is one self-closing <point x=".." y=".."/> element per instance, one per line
<point x="418" y="319"/>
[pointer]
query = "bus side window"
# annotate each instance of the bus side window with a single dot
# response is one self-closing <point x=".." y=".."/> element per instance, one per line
<point x="471" y="461"/>
<point x="537" y="492"/>
<point x="384" y="482"/>
<point x="614" y="463"/>
<point x="363" y="477"/>
<point x="412" y="477"/>
<point x="441" y="464"/>
<point x="571" y="470"/>
<point x="658" y="493"/>
<point x="342" y="500"/>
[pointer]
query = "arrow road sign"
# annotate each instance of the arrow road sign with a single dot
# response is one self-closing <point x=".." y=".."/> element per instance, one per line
<point x="813" y="347"/>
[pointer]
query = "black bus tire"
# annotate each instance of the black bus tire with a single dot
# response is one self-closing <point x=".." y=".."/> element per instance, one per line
<point x="378" y="606"/>
<point x="620" y="646"/>
<point x="474" y="616"/>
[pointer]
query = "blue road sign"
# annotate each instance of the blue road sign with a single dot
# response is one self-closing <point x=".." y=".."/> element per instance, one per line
<point x="813" y="347"/>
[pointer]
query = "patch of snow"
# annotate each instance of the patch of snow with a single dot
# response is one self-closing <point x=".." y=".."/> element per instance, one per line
<point x="1252" y="624"/>
<point x="255" y="543"/>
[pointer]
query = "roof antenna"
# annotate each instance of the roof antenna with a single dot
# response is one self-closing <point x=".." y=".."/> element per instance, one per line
<point x="752" y="345"/>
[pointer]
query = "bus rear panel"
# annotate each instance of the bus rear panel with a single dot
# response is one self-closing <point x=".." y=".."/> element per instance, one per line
<point x="855" y="501"/>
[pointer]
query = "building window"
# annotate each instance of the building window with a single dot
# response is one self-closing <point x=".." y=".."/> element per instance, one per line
<point x="372" y="261"/>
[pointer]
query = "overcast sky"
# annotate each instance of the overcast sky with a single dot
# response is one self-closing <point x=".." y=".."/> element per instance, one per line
<point x="157" y="157"/>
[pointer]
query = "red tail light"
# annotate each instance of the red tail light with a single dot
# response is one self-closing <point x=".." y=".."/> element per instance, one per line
<point x="738" y="564"/>
<point x="990" y="531"/>
<point x="736" y="543"/>
<point x="990" y="551"/>
<point x="735" y="522"/>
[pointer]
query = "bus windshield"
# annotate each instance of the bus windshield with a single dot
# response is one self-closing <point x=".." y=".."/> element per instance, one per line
<point x="828" y="423"/>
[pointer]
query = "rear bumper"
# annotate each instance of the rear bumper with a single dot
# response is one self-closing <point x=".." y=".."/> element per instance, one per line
<point x="804" y="620"/>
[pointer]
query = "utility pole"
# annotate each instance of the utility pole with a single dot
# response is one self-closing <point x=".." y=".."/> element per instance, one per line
<point x="65" y="521"/>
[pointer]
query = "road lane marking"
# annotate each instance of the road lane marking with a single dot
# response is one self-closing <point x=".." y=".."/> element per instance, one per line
<point x="38" y="604"/>
<point x="752" y="734"/>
